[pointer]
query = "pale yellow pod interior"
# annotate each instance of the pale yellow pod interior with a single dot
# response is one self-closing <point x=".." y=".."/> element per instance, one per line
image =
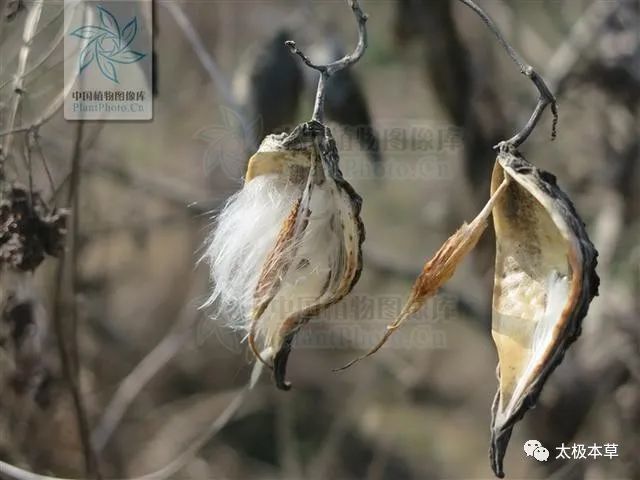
<point x="534" y="289"/>
<point x="276" y="161"/>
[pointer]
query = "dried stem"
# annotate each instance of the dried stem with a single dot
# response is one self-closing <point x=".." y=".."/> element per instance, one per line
<point x="49" y="111"/>
<point x="30" y="27"/>
<point x="200" y="50"/>
<point x="545" y="99"/>
<point x="34" y="137"/>
<point x="48" y="114"/>
<point x="140" y="376"/>
<point x="52" y="48"/>
<point x="73" y="203"/>
<point x="67" y="349"/>
<point x="14" y="473"/>
<point x="582" y="34"/>
<point x="209" y="64"/>
<point x="329" y="69"/>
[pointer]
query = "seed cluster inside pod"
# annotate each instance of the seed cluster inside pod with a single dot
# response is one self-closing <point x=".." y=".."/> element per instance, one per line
<point x="288" y="245"/>
<point x="544" y="281"/>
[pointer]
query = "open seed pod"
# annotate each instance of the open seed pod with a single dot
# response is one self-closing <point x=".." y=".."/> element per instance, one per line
<point x="544" y="281"/>
<point x="288" y="244"/>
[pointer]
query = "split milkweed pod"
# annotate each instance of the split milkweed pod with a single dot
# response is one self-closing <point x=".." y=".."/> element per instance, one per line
<point x="545" y="279"/>
<point x="288" y="245"/>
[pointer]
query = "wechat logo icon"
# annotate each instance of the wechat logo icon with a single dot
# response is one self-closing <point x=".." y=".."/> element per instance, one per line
<point x="533" y="448"/>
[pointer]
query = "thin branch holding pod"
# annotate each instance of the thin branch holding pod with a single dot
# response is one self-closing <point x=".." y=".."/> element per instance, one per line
<point x="545" y="99"/>
<point x="331" y="68"/>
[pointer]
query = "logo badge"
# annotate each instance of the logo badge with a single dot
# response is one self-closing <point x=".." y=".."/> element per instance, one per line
<point x="108" y="60"/>
<point x="108" y="44"/>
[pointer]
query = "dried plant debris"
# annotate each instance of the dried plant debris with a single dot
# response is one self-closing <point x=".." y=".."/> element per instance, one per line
<point x="29" y="230"/>
<point x="544" y="281"/>
<point x="288" y="245"/>
<point x="440" y="268"/>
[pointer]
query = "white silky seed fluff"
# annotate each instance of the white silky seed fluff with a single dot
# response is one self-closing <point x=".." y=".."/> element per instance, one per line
<point x="236" y="251"/>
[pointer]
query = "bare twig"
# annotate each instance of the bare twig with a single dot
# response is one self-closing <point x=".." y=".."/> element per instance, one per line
<point x="52" y="48"/>
<point x="209" y="64"/>
<point x="527" y="35"/>
<point x="73" y="202"/>
<point x="582" y="34"/>
<point x="68" y="351"/>
<point x="36" y="140"/>
<point x="47" y="115"/>
<point x="30" y="26"/>
<point x="200" y="50"/>
<point x="51" y="109"/>
<point x="180" y="194"/>
<point x="26" y="152"/>
<point x="135" y="381"/>
<point x="329" y="69"/>
<point x="545" y="99"/>
<point x="14" y="473"/>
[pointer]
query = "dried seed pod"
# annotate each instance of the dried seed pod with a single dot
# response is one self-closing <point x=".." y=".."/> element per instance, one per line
<point x="287" y="245"/>
<point x="544" y="281"/>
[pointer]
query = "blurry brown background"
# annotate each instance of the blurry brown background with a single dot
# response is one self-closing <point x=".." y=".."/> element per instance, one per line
<point x="440" y="92"/>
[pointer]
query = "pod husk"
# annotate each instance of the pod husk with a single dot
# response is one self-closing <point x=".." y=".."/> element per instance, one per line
<point x="545" y="279"/>
<point x="308" y="154"/>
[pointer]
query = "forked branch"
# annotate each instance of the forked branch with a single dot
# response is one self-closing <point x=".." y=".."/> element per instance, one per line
<point x="545" y="99"/>
<point x="329" y="69"/>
